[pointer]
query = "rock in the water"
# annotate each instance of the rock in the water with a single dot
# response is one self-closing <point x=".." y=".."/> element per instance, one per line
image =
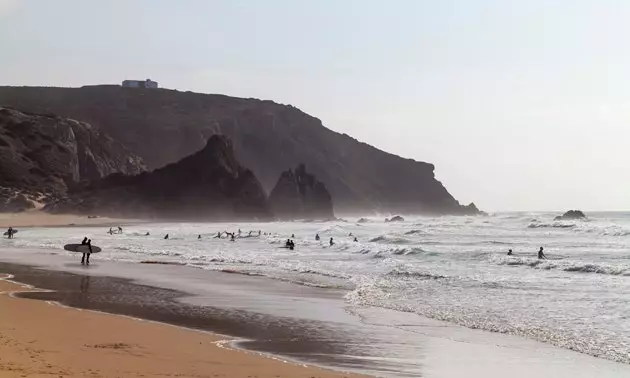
<point x="363" y="220"/>
<point x="46" y="154"/>
<point x="208" y="185"/>
<point x="571" y="215"/>
<point x="299" y="195"/>
<point x="397" y="218"/>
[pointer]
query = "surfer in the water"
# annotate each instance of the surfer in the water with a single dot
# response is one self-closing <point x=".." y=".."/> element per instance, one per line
<point x="510" y="253"/>
<point x="198" y="237"/>
<point x="541" y="255"/>
<point x="332" y="242"/>
<point x="316" y="237"/>
<point x="119" y="230"/>
<point x="165" y="236"/>
<point x="10" y="233"/>
<point x="355" y="239"/>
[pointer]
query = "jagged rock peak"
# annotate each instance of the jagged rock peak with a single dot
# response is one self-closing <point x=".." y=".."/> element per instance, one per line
<point x="207" y="185"/>
<point x="300" y="195"/>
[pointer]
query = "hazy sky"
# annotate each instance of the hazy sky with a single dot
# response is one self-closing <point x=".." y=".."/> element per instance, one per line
<point x="521" y="105"/>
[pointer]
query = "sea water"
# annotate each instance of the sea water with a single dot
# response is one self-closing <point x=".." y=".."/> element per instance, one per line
<point x="453" y="269"/>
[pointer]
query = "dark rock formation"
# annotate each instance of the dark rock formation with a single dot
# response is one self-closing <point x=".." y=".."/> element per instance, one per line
<point x="162" y="126"/>
<point x="208" y="185"/>
<point x="299" y="195"/>
<point x="571" y="215"/>
<point x="12" y="201"/>
<point x="397" y="218"/>
<point x="363" y="220"/>
<point x="46" y="154"/>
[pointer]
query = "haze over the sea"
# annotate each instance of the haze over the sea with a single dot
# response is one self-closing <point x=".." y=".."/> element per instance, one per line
<point x="520" y="105"/>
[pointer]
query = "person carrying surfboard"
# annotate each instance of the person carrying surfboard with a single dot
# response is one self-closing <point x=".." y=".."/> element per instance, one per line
<point x="85" y="258"/>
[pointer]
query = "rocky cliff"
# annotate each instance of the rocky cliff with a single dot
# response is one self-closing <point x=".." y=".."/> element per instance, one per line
<point x="162" y="126"/>
<point x="44" y="155"/>
<point x="207" y="185"/>
<point x="299" y="195"/>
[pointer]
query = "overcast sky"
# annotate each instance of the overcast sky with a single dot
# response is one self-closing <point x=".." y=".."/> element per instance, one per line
<point x="521" y="105"/>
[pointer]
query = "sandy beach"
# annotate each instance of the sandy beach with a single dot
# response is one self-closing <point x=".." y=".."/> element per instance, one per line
<point x="38" y="218"/>
<point x="41" y="339"/>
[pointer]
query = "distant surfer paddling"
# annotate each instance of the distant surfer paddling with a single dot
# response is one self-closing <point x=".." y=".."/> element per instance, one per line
<point x="510" y="253"/>
<point x="316" y="237"/>
<point x="541" y="255"/>
<point x="165" y="236"/>
<point x="332" y="242"/>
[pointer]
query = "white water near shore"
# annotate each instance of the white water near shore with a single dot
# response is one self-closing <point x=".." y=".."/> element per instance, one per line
<point x="448" y="268"/>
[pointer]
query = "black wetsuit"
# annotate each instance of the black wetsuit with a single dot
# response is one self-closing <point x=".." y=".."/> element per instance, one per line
<point x="85" y="259"/>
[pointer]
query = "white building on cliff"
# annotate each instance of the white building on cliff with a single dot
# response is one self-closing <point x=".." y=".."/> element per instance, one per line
<point x="148" y="83"/>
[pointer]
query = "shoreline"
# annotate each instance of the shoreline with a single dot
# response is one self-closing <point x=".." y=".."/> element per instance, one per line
<point x="309" y="325"/>
<point x="221" y="355"/>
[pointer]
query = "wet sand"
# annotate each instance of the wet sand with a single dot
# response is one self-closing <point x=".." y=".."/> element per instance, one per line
<point x="38" y="338"/>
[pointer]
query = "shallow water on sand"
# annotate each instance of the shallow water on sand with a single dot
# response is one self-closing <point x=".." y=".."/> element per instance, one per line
<point x="448" y="268"/>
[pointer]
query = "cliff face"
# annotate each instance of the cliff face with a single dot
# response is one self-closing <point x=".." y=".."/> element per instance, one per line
<point x="208" y="185"/>
<point x="162" y="126"/>
<point x="299" y="195"/>
<point x="46" y="154"/>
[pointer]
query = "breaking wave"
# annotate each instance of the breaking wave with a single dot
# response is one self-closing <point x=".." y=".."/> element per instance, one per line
<point x="566" y="265"/>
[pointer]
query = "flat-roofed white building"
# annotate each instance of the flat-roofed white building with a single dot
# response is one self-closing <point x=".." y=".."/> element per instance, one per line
<point x="148" y="83"/>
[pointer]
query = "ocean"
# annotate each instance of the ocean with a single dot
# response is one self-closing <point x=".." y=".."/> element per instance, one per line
<point x="451" y="269"/>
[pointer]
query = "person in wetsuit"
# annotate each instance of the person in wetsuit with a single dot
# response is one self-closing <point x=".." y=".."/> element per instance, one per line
<point x="510" y="253"/>
<point x="316" y="237"/>
<point x="355" y="239"/>
<point x="541" y="255"/>
<point x="85" y="259"/>
<point x="332" y="242"/>
<point x="165" y="236"/>
<point x="10" y="233"/>
<point x="198" y="237"/>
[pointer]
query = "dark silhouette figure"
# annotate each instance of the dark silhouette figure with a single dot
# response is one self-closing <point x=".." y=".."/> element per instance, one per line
<point x="147" y="234"/>
<point x="355" y="239"/>
<point x="293" y="236"/>
<point x="510" y="253"/>
<point x="541" y="255"/>
<point x="317" y="237"/>
<point x="289" y="244"/>
<point x="232" y="238"/>
<point x="85" y="259"/>
<point x="165" y="236"/>
<point x="119" y="230"/>
<point x="259" y="232"/>
<point x="332" y="242"/>
<point x="198" y="237"/>
<point x="10" y="233"/>
<point x="84" y="241"/>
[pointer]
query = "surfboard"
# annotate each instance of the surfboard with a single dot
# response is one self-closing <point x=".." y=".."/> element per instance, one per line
<point x="81" y="248"/>
<point x="6" y="233"/>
